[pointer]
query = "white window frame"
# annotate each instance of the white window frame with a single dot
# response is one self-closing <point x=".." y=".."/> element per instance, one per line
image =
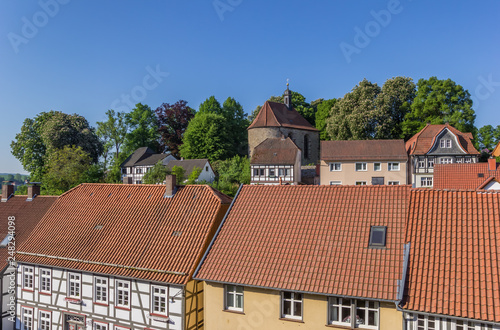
<point x="122" y="287"/>
<point x="100" y="325"/>
<point x="335" y="167"/>
<point x="393" y="183"/>
<point x="393" y="167"/>
<point x="421" y="163"/>
<point x="335" y="183"/>
<point x="76" y="291"/>
<point x="446" y="160"/>
<point x="27" y="319"/>
<point x="468" y="160"/>
<point x="101" y="290"/>
<point x="445" y="143"/>
<point x="430" y="163"/>
<point x="158" y="297"/>
<point x="353" y="306"/>
<point x="363" y="167"/>
<point x="28" y="277"/>
<point x="45" y="275"/>
<point x="379" y="165"/>
<point x="360" y="183"/>
<point x="293" y="300"/>
<point x="44" y="320"/>
<point x="232" y="290"/>
<point x="428" y="181"/>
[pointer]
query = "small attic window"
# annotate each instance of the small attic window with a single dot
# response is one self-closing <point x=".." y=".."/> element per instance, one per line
<point x="480" y="175"/>
<point x="177" y="233"/>
<point x="377" y="236"/>
<point x="98" y="227"/>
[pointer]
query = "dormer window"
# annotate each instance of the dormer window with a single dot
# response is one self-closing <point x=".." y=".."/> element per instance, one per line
<point x="378" y="236"/>
<point x="444" y="143"/>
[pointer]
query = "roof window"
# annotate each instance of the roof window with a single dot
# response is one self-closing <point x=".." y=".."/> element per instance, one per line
<point x="377" y="236"/>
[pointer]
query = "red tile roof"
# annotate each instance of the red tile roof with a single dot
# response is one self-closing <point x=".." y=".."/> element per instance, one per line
<point x="496" y="151"/>
<point x="454" y="254"/>
<point x="311" y="239"/>
<point x="422" y="142"/>
<point x="27" y="215"/>
<point x="275" y="151"/>
<point x="144" y="235"/>
<point x="277" y="115"/>
<point x="463" y="176"/>
<point x="363" y="150"/>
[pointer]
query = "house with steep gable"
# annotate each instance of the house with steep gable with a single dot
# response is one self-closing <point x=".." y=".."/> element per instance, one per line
<point x="453" y="272"/>
<point x="276" y="161"/>
<point x="276" y="120"/>
<point x="118" y="256"/>
<point x="364" y="162"/>
<point x="207" y="173"/>
<point x="474" y="176"/>
<point x="19" y="215"/>
<point x="140" y="162"/>
<point x="438" y="144"/>
<point x="308" y="257"/>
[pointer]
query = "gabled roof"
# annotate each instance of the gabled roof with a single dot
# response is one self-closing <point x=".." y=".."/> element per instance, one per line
<point x="464" y="176"/>
<point x="127" y="230"/>
<point x="143" y="157"/>
<point x="27" y="215"/>
<point x="275" y="151"/>
<point x="311" y="239"/>
<point x="188" y="165"/>
<point x="496" y="151"/>
<point x="274" y="114"/>
<point x="364" y="150"/>
<point x="454" y="260"/>
<point x="422" y="142"/>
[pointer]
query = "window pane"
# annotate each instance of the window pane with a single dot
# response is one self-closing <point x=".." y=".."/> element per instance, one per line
<point x="360" y="316"/>
<point x="334" y="314"/>
<point x="239" y="301"/>
<point x="346" y="313"/>
<point x="239" y="289"/>
<point x="287" y="307"/>
<point x="230" y="300"/>
<point x="287" y="295"/>
<point x="372" y="318"/>
<point x="297" y="309"/>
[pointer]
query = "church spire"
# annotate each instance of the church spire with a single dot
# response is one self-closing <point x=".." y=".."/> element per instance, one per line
<point x="287" y="97"/>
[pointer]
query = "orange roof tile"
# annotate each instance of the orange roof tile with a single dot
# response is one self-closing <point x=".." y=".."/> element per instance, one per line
<point x="463" y="176"/>
<point x="27" y="215"/>
<point x="496" y="151"/>
<point x="422" y="142"/>
<point x="128" y="230"/>
<point x="277" y="114"/>
<point x="275" y="151"/>
<point x="363" y="150"/>
<point x="454" y="260"/>
<point x="311" y="239"/>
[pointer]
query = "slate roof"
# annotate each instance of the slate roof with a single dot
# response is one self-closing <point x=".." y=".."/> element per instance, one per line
<point x="137" y="235"/>
<point x="464" y="176"/>
<point x="143" y="157"/>
<point x="275" y="151"/>
<point x="422" y="142"/>
<point x="188" y="165"/>
<point x="311" y="239"/>
<point x="454" y="254"/>
<point x="273" y="114"/>
<point x="27" y="215"/>
<point x="364" y="150"/>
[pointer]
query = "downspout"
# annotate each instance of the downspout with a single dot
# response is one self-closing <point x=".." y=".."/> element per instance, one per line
<point x="402" y="281"/>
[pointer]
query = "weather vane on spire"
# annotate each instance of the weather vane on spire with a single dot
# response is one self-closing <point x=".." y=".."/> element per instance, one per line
<point x="287" y="82"/>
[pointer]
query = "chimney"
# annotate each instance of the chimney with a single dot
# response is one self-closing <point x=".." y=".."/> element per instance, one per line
<point x="127" y="180"/>
<point x="171" y="185"/>
<point x="7" y="190"/>
<point x="33" y="190"/>
<point x="492" y="164"/>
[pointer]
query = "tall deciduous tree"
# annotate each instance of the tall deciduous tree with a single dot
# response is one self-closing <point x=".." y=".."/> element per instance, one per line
<point x="112" y="132"/>
<point x="438" y="102"/>
<point x="236" y="126"/>
<point x="143" y="129"/>
<point x="488" y="137"/>
<point x="321" y="115"/>
<point x="173" y="120"/>
<point x="206" y="137"/>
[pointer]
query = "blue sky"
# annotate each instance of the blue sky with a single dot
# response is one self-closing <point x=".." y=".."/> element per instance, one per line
<point x="88" y="56"/>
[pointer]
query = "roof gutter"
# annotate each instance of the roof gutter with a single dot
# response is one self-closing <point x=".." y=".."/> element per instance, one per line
<point x="217" y="233"/>
<point x="103" y="264"/>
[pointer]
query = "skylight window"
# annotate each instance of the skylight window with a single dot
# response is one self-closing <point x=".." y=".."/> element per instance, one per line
<point x="377" y="236"/>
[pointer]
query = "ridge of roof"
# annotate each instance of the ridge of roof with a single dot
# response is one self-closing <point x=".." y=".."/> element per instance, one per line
<point x="279" y="112"/>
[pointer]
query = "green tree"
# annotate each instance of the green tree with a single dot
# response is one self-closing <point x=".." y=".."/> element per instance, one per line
<point x="254" y="114"/>
<point x="143" y="129"/>
<point x="66" y="168"/>
<point x="179" y="174"/>
<point x="206" y="137"/>
<point x="210" y="105"/>
<point x="114" y="173"/>
<point x="230" y="173"/>
<point x="354" y="116"/>
<point x="193" y="177"/>
<point x="156" y="174"/>
<point x="488" y="137"/>
<point x="438" y="102"/>
<point x="321" y="115"/>
<point x="112" y="132"/>
<point x="236" y="126"/>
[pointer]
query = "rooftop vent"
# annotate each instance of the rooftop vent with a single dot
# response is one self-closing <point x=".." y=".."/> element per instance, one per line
<point x="480" y="175"/>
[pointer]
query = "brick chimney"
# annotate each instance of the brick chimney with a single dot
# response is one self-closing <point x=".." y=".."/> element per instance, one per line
<point x="33" y="190"/>
<point x="492" y="164"/>
<point x="127" y="180"/>
<point x="171" y="185"/>
<point x="7" y="190"/>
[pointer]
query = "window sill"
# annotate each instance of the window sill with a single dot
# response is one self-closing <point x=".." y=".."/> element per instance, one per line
<point x="100" y="303"/>
<point x="123" y="308"/>
<point x="234" y="312"/>
<point x="291" y="320"/>
<point x="28" y="290"/>
<point x="339" y="326"/>
<point x="45" y="293"/>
